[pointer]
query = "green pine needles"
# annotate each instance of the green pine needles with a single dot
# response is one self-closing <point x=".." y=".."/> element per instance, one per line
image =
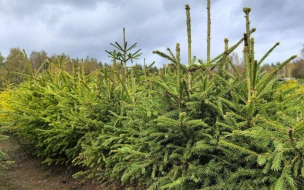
<point x="3" y="155"/>
<point x="201" y="125"/>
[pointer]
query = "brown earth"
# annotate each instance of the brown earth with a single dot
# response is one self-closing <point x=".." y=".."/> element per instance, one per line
<point x="28" y="173"/>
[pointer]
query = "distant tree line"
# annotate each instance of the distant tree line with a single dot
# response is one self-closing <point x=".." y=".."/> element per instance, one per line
<point x="17" y="65"/>
<point x="294" y="69"/>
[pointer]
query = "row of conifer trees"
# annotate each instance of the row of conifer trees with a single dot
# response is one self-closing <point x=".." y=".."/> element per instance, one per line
<point x="192" y="126"/>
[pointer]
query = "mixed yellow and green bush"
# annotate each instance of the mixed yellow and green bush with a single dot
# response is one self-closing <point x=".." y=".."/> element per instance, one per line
<point x="3" y="155"/>
<point x="5" y="106"/>
<point x="4" y="119"/>
<point x="183" y="127"/>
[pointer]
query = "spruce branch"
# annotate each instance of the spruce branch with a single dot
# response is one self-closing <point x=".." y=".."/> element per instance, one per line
<point x="172" y="59"/>
<point x="273" y="73"/>
<point x="267" y="53"/>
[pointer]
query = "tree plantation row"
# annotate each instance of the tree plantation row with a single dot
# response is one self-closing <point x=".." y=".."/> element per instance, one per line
<point x="204" y="125"/>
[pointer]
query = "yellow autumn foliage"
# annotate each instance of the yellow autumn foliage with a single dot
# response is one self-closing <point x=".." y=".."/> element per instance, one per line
<point x="5" y="107"/>
<point x="296" y="90"/>
<point x="299" y="89"/>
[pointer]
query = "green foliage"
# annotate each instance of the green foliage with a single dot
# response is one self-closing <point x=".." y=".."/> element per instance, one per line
<point x="4" y="118"/>
<point x="297" y="71"/>
<point x="185" y="127"/>
<point x="17" y="64"/>
<point x="37" y="59"/>
<point x="124" y="55"/>
<point x="3" y="156"/>
<point x="1" y="60"/>
<point x="56" y="112"/>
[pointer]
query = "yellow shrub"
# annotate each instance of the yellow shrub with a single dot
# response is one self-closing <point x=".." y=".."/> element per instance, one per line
<point x="292" y="84"/>
<point x="5" y="107"/>
<point x="296" y="90"/>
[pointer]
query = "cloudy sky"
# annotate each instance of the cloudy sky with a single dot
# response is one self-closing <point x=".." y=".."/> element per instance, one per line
<point x="82" y="28"/>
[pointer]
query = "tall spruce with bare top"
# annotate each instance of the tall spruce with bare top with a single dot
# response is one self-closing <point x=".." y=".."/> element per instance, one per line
<point x="208" y="29"/>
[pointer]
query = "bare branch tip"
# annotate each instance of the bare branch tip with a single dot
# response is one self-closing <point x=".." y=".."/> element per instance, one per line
<point x="246" y="10"/>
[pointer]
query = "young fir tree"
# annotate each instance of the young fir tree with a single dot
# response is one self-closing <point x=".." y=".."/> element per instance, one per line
<point x="210" y="134"/>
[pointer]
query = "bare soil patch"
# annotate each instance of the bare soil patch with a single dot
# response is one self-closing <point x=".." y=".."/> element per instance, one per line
<point x="28" y="173"/>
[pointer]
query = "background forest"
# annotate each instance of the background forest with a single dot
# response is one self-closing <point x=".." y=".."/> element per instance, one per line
<point x="18" y="61"/>
<point x="223" y="123"/>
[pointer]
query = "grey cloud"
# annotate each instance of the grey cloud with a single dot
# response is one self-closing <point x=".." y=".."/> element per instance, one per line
<point x="80" y="28"/>
<point x="279" y="14"/>
<point x="29" y="7"/>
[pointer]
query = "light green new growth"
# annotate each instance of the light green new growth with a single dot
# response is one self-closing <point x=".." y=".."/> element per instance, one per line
<point x="124" y="54"/>
<point x="267" y="53"/>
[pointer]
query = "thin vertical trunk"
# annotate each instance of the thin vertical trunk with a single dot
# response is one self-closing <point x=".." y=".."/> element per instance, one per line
<point x="247" y="52"/>
<point x="208" y="31"/>
<point x="226" y="54"/>
<point x="125" y="51"/>
<point x="179" y="74"/>
<point x="189" y="43"/>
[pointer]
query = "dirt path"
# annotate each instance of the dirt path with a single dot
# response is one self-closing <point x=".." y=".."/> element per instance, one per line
<point x="27" y="173"/>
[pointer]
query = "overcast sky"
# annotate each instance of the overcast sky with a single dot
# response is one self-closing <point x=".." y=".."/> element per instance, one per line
<point x="82" y="28"/>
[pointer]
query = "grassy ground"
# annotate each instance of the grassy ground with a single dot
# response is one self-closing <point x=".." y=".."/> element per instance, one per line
<point x="27" y="173"/>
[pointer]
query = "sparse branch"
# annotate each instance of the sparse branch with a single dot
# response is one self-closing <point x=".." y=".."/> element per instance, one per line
<point x="164" y="56"/>
<point x="231" y="49"/>
<point x="268" y="52"/>
<point x="123" y="53"/>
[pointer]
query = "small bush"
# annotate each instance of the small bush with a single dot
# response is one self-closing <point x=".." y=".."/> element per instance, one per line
<point x="4" y="119"/>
